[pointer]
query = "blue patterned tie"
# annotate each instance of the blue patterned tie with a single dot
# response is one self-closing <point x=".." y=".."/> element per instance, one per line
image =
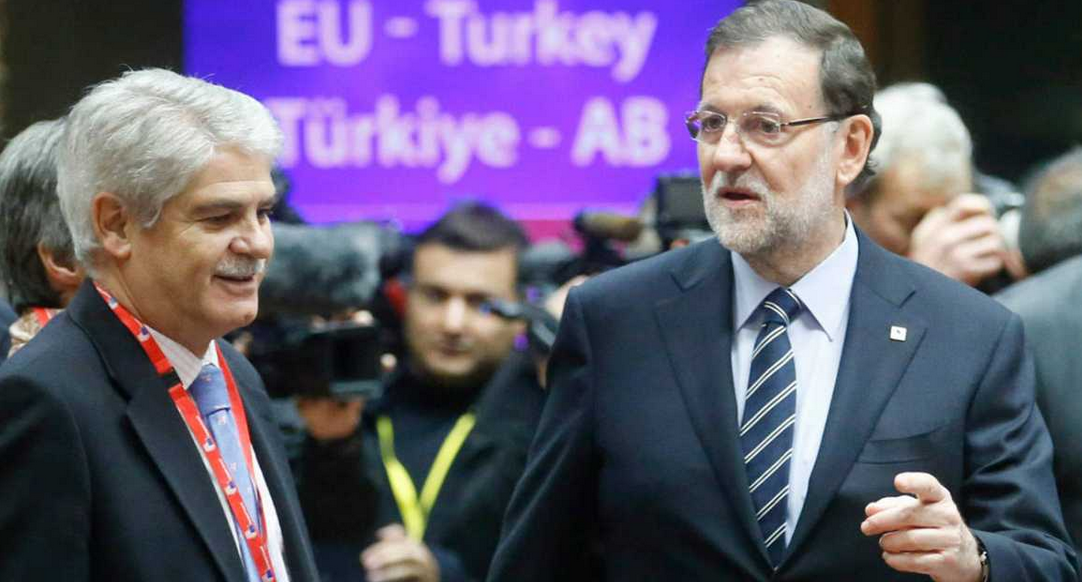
<point x="766" y="433"/>
<point x="211" y="396"/>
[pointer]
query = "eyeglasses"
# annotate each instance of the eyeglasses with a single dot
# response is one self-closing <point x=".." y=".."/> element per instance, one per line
<point x="759" y="127"/>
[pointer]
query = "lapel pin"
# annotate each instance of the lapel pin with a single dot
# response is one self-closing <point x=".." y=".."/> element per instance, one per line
<point x="897" y="333"/>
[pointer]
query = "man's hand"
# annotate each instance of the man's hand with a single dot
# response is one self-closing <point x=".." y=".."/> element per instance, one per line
<point x="330" y="419"/>
<point x="960" y="240"/>
<point x="923" y="532"/>
<point x="397" y="557"/>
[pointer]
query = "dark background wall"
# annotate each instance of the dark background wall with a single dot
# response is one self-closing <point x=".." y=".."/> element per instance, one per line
<point x="1014" y="72"/>
<point x="52" y="50"/>
<point x="1013" y="68"/>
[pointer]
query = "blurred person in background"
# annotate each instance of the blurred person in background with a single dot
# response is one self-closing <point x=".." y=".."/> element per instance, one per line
<point x="135" y="444"/>
<point x="926" y="202"/>
<point x="1050" y="228"/>
<point x="1051" y="241"/>
<point x="413" y="486"/>
<point x="37" y="260"/>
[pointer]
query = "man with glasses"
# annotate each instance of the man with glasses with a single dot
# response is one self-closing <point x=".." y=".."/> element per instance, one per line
<point x="795" y="403"/>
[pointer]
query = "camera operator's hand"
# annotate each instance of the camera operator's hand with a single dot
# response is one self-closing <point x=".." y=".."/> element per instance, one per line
<point x="396" y="557"/>
<point x="330" y="419"/>
<point x="960" y="240"/>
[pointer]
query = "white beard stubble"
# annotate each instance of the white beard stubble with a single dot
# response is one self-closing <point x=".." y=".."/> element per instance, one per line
<point x="775" y="223"/>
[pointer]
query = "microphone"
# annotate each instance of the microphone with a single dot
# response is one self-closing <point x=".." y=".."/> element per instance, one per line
<point x="608" y="226"/>
<point x="320" y="270"/>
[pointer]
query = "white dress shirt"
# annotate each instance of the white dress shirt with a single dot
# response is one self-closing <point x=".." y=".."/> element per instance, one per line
<point x="188" y="366"/>
<point x="817" y="336"/>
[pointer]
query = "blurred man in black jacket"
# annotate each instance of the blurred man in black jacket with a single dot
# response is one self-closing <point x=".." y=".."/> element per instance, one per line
<point x="415" y="487"/>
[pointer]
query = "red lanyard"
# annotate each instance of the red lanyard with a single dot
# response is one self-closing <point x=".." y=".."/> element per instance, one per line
<point x="44" y="315"/>
<point x="253" y="537"/>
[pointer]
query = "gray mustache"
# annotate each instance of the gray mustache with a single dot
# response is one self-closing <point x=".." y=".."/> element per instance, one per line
<point x="754" y="184"/>
<point x="240" y="267"/>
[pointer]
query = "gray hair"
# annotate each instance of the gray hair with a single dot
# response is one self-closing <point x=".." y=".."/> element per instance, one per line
<point x="29" y="215"/>
<point x="144" y="136"/>
<point x="846" y="78"/>
<point x="919" y="125"/>
<point x="1050" y="229"/>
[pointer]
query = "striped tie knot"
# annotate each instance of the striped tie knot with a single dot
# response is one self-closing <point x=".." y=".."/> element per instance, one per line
<point x="781" y="306"/>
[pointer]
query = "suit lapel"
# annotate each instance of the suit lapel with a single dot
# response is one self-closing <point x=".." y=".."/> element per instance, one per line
<point x="871" y="366"/>
<point x="281" y="489"/>
<point x="159" y="427"/>
<point x="273" y="464"/>
<point x="697" y="329"/>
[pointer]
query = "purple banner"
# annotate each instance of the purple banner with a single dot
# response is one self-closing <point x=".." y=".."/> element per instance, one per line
<point x="395" y="110"/>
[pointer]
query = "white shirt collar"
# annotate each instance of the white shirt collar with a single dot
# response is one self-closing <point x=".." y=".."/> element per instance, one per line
<point x="819" y="290"/>
<point x="184" y="361"/>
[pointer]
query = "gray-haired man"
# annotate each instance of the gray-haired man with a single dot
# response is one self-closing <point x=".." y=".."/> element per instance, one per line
<point x="136" y="446"/>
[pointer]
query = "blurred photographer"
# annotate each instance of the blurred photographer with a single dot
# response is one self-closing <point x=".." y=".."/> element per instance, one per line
<point x="922" y="202"/>
<point x="413" y="485"/>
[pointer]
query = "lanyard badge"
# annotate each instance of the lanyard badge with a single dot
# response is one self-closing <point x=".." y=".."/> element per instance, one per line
<point x="416" y="509"/>
<point x="254" y="537"/>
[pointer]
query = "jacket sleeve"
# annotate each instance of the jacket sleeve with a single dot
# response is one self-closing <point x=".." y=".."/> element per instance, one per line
<point x="44" y="487"/>
<point x="549" y="526"/>
<point x="1010" y="499"/>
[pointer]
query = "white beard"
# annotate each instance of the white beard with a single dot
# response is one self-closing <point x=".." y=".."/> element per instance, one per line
<point x="776" y="223"/>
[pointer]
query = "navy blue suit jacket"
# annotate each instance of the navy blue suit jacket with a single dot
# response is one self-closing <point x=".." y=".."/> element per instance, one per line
<point x="636" y="471"/>
<point x="7" y="316"/>
<point x="101" y="480"/>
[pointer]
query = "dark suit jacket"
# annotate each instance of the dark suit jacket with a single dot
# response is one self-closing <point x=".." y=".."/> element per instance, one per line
<point x="101" y="479"/>
<point x="7" y="316"/>
<point x="1048" y="305"/>
<point x="637" y="458"/>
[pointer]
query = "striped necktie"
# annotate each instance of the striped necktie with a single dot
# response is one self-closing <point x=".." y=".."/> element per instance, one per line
<point x="766" y="433"/>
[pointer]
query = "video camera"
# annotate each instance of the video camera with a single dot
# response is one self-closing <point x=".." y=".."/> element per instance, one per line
<point x="320" y="274"/>
<point x="678" y="199"/>
<point x="339" y="360"/>
<point x="607" y="242"/>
